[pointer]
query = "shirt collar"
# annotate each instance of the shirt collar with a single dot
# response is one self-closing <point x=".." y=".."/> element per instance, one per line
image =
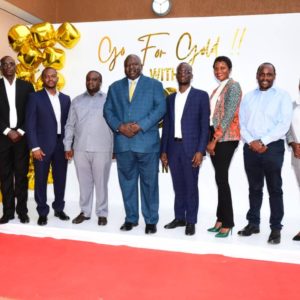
<point x="50" y="95"/>
<point x="8" y="83"/>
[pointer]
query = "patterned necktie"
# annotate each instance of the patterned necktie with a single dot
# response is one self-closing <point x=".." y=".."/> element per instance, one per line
<point x="131" y="89"/>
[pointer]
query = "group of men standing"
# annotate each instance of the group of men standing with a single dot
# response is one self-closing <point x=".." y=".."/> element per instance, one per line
<point x="94" y="127"/>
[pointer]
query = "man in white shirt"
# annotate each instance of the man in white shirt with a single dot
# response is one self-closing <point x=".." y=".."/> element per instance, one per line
<point x="183" y="144"/>
<point x="14" y="154"/>
<point x="46" y="116"/>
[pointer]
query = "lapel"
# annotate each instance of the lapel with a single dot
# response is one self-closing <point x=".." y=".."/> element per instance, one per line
<point x="18" y="94"/>
<point x="3" y="95"/>
<point x="172" y="107"/>
<point x="187" y="102"/>
<point x="49" y="104"/>
<point x="138" y="88"/>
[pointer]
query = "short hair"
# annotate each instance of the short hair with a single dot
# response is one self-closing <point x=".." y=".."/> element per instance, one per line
<point x="265" y="64"/>
<point x="224" y="59"/>
<point x="46" y="69"/>
<point x="98" y="73"/>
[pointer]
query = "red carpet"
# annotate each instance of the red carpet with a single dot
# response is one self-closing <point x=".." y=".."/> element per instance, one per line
<point x="35" y="268"/>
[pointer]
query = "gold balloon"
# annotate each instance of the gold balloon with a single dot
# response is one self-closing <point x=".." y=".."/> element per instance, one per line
<point x="61" y="81"/>
<point x="18" y="35"/>
<point x="67" y="35"/>
<point x="60" y="84"/>
<point x="38" y="85"/>
<point x="24" y="73"/>
<point x="43" y="35"/>
<point x="30" y="56"/>
<point x="54" y="58"/>
<point x="169" y="90"/>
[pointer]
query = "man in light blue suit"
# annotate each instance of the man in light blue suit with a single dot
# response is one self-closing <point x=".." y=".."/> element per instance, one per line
<point x="134" y="106"/>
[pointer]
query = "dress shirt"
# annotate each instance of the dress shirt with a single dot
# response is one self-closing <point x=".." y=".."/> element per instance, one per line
<point x="265" y="115"/>
<point x="11" y="97"/>
<point x="129" y="83"/>
<point x="215" y="99"/>
<point x="180" y="100"/>
<point x="57" y="109"/>
<point x="86" y="128"/>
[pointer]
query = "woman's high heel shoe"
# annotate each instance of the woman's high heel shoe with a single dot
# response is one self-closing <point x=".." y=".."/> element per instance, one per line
<point x="223" y="234"/>
<point x="214" y="229"/>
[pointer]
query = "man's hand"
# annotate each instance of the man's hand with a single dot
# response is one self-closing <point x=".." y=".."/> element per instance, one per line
<point x="126" y="130"/>
<point x="164" y="159"/>
<point x="69" y="154"/>
<point x="197" y="159"/>
<point x="38" y="154"/>
<point x="14" y="135"/>
<point x="296" y="149"/>
<point x="211" y="147"/>
<point x="135" y="127"/>
<point x="258" y="147"/>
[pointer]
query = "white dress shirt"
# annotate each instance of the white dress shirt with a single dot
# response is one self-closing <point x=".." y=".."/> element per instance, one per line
<point x="11" y="97"/>
<point x="180" y="100"/>
<point x="57" y="109"/>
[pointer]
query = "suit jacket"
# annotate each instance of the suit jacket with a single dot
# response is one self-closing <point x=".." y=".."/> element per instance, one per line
<point x="147" y="107"/>
<point x="23" y="89"/>
<point x="41" y="125"/>
<point x="194" y="123"/>
<point x="226" y="114"/>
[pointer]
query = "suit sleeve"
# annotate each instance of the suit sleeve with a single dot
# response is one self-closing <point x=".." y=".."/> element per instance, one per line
<point x="29" y="90"/>
<point x="109" y="110"/>
<point x="30" y="122"/>
<point x="204" y="123"/>
<point x="159" y="109"/>
<point x="165" y="129"/>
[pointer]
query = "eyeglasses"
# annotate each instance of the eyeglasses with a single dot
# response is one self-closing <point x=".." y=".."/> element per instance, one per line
<point x="6" y="65"/>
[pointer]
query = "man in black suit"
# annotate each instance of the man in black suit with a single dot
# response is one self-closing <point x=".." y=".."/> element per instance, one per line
<point x="14" y="153"/>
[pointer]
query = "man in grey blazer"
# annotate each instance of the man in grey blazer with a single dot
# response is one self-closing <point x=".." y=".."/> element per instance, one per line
<point x="90" y="141"/>
<point x="134" y="106"/>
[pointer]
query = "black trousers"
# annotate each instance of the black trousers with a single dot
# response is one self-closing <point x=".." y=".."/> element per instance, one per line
<point x="14" y="161"/>
<point x="221" y="161"/>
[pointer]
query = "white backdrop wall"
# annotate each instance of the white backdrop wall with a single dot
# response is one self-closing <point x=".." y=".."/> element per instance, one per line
<point x="162" y="45"/>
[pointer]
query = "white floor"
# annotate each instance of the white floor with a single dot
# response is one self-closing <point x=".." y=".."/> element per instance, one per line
<point x="203" y="242"/>
<point x="254" y="247"/>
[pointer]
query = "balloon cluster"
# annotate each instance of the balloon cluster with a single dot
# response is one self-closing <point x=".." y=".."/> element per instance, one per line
<point x="35" y="46"/>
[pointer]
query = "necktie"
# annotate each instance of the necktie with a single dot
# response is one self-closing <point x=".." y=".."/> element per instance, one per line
<point x="131" y="89"/>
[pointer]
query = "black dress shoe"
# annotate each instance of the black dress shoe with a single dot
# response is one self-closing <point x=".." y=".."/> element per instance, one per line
<point x="296" y="237"/>
<point x="5" y="219"/>
<point x="150" y="228"/>
<point x="24" y="218"/>
<point x="80" y="218"/>
<point x="128" y="226"/>
<point x="274" y="237"/>
<point x="61" y="215"/>
<point x="102" y="221"/>
<point x="42" y="220"/>
<point x="248" y="230"/>
<point x="190" y="229"/>
<point x="175" y="223"/>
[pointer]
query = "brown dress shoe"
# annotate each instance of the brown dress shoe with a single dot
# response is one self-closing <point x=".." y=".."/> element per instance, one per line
<point x="79" y="219"/>
<point x="102" y="221"/>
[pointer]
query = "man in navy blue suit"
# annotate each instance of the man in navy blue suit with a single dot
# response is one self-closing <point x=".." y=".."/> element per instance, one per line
<point x="46" y="116"/>
<point x="134" y="106"/>
<point x="184" y="140"/>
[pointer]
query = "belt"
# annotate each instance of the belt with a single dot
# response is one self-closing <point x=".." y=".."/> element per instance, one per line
<point x="177" y="139"/>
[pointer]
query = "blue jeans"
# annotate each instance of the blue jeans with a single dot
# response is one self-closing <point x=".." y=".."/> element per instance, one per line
<point x="258" y="167"/>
